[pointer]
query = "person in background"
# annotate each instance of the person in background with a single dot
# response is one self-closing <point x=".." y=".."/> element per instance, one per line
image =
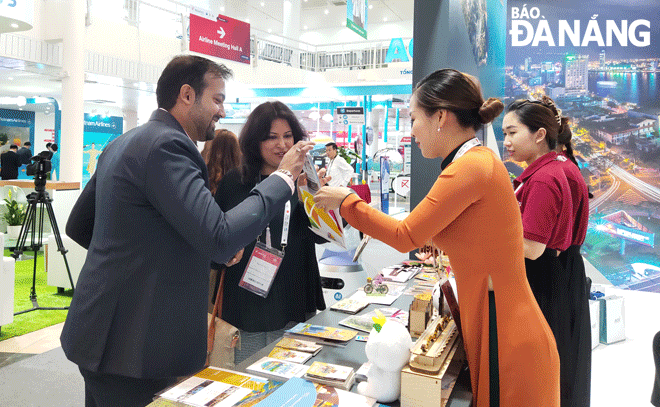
<point x="54" y="161"/>
<point x="24" y="153"/>
<point x="138" y="319"/>
<point x="554" y="203"/>
<point x="221" y="155"/>
<point x="339" y="171"/>
<point x="472" y="215"/>
<point x="9" y="163"/>
<point x="269" y="132"/>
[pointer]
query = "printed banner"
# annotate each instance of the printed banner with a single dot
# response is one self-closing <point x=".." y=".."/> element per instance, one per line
<point x="224" y="37"/>
<point x="598" y="59"/>
<point x="356" y="16"/>
<point x="98" y="132"/>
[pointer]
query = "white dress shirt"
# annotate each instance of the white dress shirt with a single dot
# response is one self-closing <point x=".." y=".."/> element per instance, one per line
<point x="340" y="171"/>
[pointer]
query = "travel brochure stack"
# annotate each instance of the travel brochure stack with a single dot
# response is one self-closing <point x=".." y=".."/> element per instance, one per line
<point x="321" y="334"/>
<point x="329" y="374"/>
<point x="215" y="387"/>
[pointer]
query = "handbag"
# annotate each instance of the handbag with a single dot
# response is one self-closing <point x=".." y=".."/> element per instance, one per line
<point x="223" y="338"/>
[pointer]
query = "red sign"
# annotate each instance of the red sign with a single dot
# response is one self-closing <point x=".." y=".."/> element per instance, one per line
<point x="224" y="38"/>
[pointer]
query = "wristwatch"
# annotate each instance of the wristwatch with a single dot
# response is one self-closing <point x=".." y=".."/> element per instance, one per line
<point x="286" y="172"/>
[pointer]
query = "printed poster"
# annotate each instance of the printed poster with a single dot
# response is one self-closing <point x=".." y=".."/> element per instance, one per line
<point x="598" y="59"/>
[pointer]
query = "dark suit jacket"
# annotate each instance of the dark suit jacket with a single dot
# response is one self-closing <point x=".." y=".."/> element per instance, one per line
<point x="151" y="228"/>
<point x="9" y="161"/>
<point x="25" y="155"/>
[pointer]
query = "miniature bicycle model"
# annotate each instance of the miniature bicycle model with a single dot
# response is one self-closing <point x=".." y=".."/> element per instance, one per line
<point x="376" y="286"/>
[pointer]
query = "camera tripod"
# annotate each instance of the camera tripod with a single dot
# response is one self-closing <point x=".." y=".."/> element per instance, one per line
<point x="40" y="196"/>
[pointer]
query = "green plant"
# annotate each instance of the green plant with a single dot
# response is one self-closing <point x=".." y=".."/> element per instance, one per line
<point x="15" y="212"/>
<point x="349" y="155"/>
<point x="4" y="137"/>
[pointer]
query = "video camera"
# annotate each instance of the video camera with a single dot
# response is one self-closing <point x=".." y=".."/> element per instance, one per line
<point x="40" y="168"/>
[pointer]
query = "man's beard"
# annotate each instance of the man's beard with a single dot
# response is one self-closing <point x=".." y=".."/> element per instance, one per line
<point x="210" y="132"/>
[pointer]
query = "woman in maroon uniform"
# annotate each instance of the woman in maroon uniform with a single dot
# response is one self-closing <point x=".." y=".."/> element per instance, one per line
<point x="553" y="199"/>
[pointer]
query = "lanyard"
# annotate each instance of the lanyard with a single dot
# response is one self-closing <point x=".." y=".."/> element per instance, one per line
<point x="465" y="147"/>
<point x="285" y="227"/>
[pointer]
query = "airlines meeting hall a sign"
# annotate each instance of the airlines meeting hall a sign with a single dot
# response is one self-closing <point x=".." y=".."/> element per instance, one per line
<point x="224" y="37"/>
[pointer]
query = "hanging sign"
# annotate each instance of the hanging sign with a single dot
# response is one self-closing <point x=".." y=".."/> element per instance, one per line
<point x="356" y="16"/>
<point x="350" y="115"/>
<point x="223" y="37"/>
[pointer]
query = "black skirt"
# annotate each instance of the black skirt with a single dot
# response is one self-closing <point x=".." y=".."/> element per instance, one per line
<point x="560" y="287"/>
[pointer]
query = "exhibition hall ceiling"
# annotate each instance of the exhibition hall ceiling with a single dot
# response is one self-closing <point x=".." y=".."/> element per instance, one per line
<point x="27" y="79"/>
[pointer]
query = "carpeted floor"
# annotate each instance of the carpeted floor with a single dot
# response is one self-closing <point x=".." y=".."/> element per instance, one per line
<point x="46" y="297"/>
<point x="45" y="380"/>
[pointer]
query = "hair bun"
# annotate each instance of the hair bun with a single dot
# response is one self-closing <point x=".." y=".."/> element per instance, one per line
<point x="490" y="109"/>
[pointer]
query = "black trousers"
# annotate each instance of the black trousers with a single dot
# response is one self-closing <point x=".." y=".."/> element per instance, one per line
<point x="655" y="397"/>
<point x="107" y="390"/>
<point x="493" y="359"/>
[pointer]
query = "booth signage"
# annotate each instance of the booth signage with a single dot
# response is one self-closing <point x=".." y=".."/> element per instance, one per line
<point x="224" y="37"/>
<point x="356" y="16"/>
<point x="20" y="13"/>
<point x="350" y="115"/>
<point x="397" y="50"/>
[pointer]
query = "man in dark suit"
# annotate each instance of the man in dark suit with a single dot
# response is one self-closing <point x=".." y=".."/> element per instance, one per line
<point x="24" y="153"/>
<point x="138" y="315"/>
<point x="9" y="163"/>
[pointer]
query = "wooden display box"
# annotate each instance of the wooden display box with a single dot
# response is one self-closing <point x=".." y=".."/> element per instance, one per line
<point x="432" y="390"/>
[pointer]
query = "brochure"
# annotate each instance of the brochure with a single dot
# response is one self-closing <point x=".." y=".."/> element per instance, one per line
<point x="400" y="273"/>
<point x="327" y="224"/>
<point x="290" y="355"/>
<point x="365" y="322"/>
<point x="330" y="374"/>
<point x="349" y="306"/>
<point x="220" y="388"/>
<point x="300" y="345"/>
<point x="301" y="393"/>
<point x="277" y="369"/>
<point x="321" y="334"/>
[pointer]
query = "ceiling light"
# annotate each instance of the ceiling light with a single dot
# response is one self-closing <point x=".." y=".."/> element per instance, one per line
<point x="262" y="4"/>
<point x="10" y="78"/>
<point x="14" y="25"/>
<point x="343" y="23"/>
<point x="315" y="115"/>
<point x="270" y="31"/>
<point x="326" y="11"/>
<point x="384" y="18"/>
<point x="247" y="20"/>
<point x="304" y="27"/>
<point x="21" y="101"/>
<point x="371" y="6"/>
<point x="327" y="117"/>
<point x="222" y="8"/>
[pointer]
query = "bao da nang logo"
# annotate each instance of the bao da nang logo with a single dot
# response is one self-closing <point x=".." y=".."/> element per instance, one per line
<point x="531" y="28"/>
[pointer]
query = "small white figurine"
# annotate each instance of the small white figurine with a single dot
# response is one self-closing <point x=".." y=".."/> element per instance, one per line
<point x="388" y="350"/>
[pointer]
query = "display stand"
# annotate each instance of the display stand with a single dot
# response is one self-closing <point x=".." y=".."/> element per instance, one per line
<point x="353" y="355"/>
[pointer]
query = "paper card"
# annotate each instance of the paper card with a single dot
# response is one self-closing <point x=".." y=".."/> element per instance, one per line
<point x="261" y="269"/>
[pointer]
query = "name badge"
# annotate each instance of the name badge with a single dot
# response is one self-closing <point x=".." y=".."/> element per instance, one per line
<point x="261" y="269"/>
